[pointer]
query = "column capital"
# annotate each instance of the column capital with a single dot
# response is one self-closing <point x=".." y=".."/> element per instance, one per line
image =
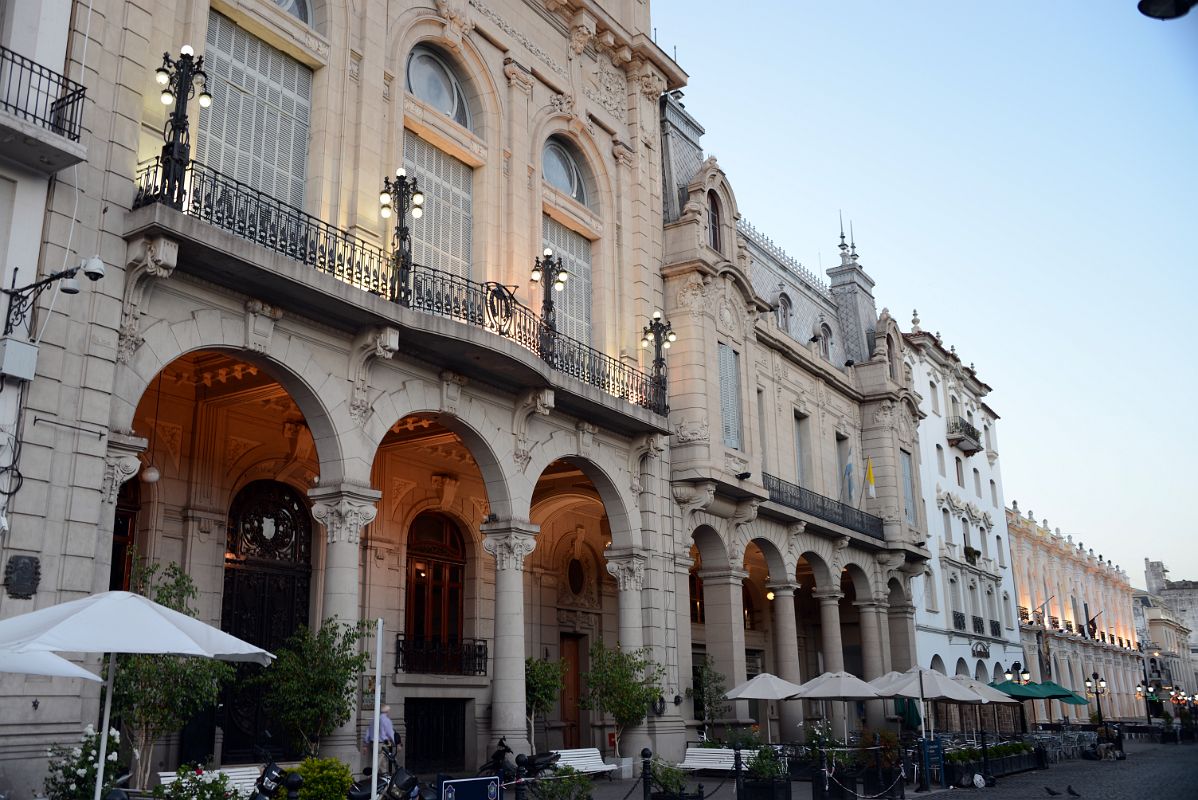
<point x="121" y="462"/>
<point x="783" y="588"/>
<point x="628" y="568"/>
<point x="510" y="541"/>
<point x="344" y="509"/>
<point x="827" y="595"/>
<point x="722" y="575"/>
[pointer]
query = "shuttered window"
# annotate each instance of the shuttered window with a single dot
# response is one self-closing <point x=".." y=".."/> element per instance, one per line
<point x="256" y="129"/>
<point x="730" y="396"/>
<point x="442" y="237"/>
<point x="573" y="304"/>
<point x="908" y="487"/>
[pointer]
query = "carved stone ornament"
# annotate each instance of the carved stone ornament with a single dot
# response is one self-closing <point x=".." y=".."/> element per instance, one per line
<point x="260" y="319"/>
<point x="510" y="549"/>
<point x="456" y="17"/>
<point x="691" y="431"/>
<point x="629" y="571"/>
<point x="451" y="391"/>
<point x="117" y="470"/>
<point x="693" y="497"/>
<point x="562" y="104"/>
<point x="372" y="343"/>
<point x="692" y="295"/>
<point x="582" y="30"/>
<point x="586" y="436"/>
<point x="344" y="518"/>
<point x="531" y="401"/>
<point x="22" y="574"/>
<point x="517" y="75"/>
<point x="518" y="36"/>
<point x="147" y="258"/>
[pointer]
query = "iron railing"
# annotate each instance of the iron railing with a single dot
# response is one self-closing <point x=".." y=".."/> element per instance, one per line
<point x="40" y="95"/>
<point x="801" y="499"/>
<point x="979" y="625"/>
<point x="435" y="657"/>
<point x="995" y="629"/>
<point x="959" y="620"/>
<point x="247" y="213"/>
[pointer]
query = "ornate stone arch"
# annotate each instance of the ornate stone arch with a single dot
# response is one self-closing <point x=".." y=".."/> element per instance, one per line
<point x="774" y="555"/>
<point x="710" y="178"/>
<point x="606" y="472"/>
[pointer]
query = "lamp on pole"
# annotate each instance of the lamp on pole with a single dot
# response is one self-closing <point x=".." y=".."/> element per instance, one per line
<point x="1097" y="687"/>
<point x="1016" y="673"/>
<point x="551" y="273"/>
<point x="401" y="197"/>
<point x="660" y="334"/>
<point x="179" y="78"/>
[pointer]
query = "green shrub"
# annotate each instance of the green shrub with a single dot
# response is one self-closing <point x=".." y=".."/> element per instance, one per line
<point x="744" y="738"/>
<point x="666" y="777"/>
<point x="766" y="766"/>
<point x="324" y="779"/>
<point x="196" y="783"/>
<point x="566" y="783"/>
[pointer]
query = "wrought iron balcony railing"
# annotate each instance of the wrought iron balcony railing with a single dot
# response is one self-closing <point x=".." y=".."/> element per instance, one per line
<point x="979" y="625"/>
<point x="247" y="213"/>
<point x="995" y="629"/>
<point x="964" y="436"/>
<point x="800" y="499"/>
<point x="435" y="657"/>
<point x="40" y="95"/>
<point x="959" y="620"/>
<point x="1024" y="615"/>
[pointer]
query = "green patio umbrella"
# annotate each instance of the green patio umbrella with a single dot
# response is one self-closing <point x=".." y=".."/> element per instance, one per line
<point x="1021" y="691"/>
<point x="1055" y="691"/>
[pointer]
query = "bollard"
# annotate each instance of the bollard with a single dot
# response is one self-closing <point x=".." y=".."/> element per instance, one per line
<point x="737" y="765"/>
<point x="293" y="782"/>
<point x="521" y="771"/>
<point x="646" y="772"/>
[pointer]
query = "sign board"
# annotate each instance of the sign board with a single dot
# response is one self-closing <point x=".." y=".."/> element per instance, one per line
<point x="611" y="740"/>
<point x="487" y="788"/>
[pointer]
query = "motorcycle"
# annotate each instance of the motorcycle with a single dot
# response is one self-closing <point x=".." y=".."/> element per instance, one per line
<point x="395" y="784"/>
<point x="533" y="765"/>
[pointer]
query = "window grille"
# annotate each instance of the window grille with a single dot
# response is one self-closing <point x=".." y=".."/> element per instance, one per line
<point x="442" y="237"/>
<point x="573" y="304"/>
<point x="730" y="396"/>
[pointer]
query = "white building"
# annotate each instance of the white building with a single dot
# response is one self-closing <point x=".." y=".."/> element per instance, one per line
<point x="965" y="612"/>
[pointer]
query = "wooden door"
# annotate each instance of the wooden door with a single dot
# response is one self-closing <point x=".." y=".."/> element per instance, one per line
<point x="571" y="692"/>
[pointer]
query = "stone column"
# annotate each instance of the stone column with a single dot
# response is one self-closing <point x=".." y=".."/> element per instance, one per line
<point x="786" y="654"/>
<point x="343" y="509"/>
<point x="884" y="629"/>
<point x="871" y="656"/>
<point x="901" y="621"/>
<point x="724" y="615"/>
<point x="832" y="646"/>
<point x="510" y="542"/>
<point x="628" y="568"/>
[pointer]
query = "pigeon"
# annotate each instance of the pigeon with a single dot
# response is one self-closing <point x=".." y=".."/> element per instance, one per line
<point x="1051" y="792"/>
<point x="1071" y="792"/>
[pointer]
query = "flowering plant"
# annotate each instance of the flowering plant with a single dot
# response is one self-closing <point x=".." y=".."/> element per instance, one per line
<point x="72" y="770"/>
<point x="196" y="783"/>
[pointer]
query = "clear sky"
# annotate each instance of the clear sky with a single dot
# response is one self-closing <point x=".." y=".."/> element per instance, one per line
<point x="1023" y="173"/>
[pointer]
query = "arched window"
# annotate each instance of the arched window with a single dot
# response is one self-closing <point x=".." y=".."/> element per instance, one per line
<point x="564" y="170"/>
<point x="825" y="342"/>
<point x="948" y="526"/>
<point x="783" y="312"/>
<point x="124" y="534"/>
<point x="436" y="576"/>
<point x="892" y="355"/>
<point x="432" y="80"/>
<point x="940" y="459"/>
<point x="977" y="482"/>
<point x="561" y="170"/>
<point x="960" y="472"/>
<point x="296" y="8"/>
<point x="930" y="601"/>
<point x="714" y="221"/>
<point x="993" y="493"/>
<point x="696" y="598"/>
<point x="749" y="607"/>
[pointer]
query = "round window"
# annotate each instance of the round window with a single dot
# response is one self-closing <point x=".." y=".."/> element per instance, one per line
<point x="431" y="79"/>
<point x="561" y="171"/>
<point x="576" y="575"/>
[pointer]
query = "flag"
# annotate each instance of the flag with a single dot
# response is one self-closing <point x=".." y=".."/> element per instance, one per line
<point x="869" y="479"/>
<point x="848" y="478"/>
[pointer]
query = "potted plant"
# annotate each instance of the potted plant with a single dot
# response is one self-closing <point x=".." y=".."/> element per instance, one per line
<point x="766" y="779"/>
<point x="622" y="683"/>
<point x="567" y="784"/>
<point x="668" y="782"/>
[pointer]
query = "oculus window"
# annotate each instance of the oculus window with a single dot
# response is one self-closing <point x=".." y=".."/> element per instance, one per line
<point x="431" y="79"/>
<point x="561" y="171"/>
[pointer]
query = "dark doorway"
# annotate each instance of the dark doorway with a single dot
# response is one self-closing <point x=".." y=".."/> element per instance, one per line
<point x="436" y="735"/>
<point x="571" y="647"/>
<point x="268" y="567"/>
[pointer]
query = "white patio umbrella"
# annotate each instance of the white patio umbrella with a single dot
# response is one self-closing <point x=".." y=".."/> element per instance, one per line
<point x="989" y="695"/>
<point x="928" y="684"/>
<point x="763" y="687"/>
<point x="44" y="664"/>
<point x="837" y="686"/>
<point x="120" y="622"/>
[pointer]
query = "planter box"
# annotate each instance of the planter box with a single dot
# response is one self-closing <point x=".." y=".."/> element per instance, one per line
<point x="766" y="790"/>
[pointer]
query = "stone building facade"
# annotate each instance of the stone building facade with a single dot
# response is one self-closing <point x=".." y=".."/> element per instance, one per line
<point x="1165" y="638"/>
<point x="1076" y="618"/>
<point x="1180" y="596"/>
<point x="965" y="618"/>
<point x="259" y="392"/>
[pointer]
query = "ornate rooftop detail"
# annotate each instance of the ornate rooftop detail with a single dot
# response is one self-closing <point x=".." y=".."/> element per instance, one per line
<point x="785" y="259"/>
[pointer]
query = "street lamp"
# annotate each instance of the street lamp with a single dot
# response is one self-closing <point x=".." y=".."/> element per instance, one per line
<point x="660" y="334"/>
<point x="179" y="78"/>
<point x="401" y="197"/>
<point x="1018" y="674"/>
<point x="1165" y="9"/>
<point x="1097" y="687"/>
<point x="551" y="273"/>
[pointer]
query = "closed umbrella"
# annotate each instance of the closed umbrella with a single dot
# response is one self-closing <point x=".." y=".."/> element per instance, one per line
<point x="44" y="664"/>
<point x="120" y="622"/>
<point x="764" y="687"/>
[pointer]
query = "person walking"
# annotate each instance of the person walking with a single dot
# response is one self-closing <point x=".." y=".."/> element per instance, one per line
<point x="387" y="737"/>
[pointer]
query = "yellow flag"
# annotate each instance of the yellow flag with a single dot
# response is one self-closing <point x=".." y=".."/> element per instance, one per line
<point x="869" y="478"/>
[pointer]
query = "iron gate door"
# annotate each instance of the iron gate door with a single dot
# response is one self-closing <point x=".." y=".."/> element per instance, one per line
<point x="436" y="735"/>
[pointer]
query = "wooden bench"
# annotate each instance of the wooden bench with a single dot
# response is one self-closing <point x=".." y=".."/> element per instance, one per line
<point x="586" y="759"/>
<point x="241" y="779"/>
<point x="720" y="759"/>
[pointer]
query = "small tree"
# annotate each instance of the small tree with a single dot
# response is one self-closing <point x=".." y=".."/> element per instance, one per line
<point x="623" y="683"/>
<point x="542" y="683"/>
<point x="708" y="693"/>
<point x="310" y="689"/>
<point x="156" y="695"/>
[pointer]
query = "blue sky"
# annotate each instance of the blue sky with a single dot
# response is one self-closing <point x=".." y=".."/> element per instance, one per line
<point x="1023" y="173"/>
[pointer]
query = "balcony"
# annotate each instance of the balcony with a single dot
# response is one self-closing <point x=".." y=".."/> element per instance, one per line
<point x="1024" y="615"/>
<point x="979" y="625"/>
<point x="1069" y="626"/>
<point x="959" y="620"/>
<point x="794" y="496"/>
<point x="315" y="249"/>
<point x="417" y="656"/>
<point x="995" y="629"/>
<point x="41" y="115"/>
<point x="963" y="436"/>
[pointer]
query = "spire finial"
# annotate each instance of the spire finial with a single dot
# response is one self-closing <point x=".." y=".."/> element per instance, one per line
<point x="852" y="242"/>
<point x="843" y="246"/>
<point x="915" y="321"/>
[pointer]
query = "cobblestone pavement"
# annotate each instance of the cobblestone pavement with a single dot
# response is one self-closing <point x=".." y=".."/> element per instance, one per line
<point x="1150" y="772"/>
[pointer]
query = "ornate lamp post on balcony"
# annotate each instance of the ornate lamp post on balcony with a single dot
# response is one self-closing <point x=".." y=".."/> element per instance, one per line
<point x="1097" y="687"/>
<point x="401" y="197"/>
<point x="179" y="79"/>
<point x="552" y="275"/>
<point x="660" y="334"/>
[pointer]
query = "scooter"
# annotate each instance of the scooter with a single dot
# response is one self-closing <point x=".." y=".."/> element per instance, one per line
<point x="396" y="784"/>
<point x="499" y="763"/>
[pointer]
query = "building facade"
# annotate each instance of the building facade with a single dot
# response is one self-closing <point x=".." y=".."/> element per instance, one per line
<point x="1076" y="619"/>
<point x="268" y="392"/>
<point x="965" y="601"/>
<point x="1180" y="596"/>
<point x="1168" y="665"/>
